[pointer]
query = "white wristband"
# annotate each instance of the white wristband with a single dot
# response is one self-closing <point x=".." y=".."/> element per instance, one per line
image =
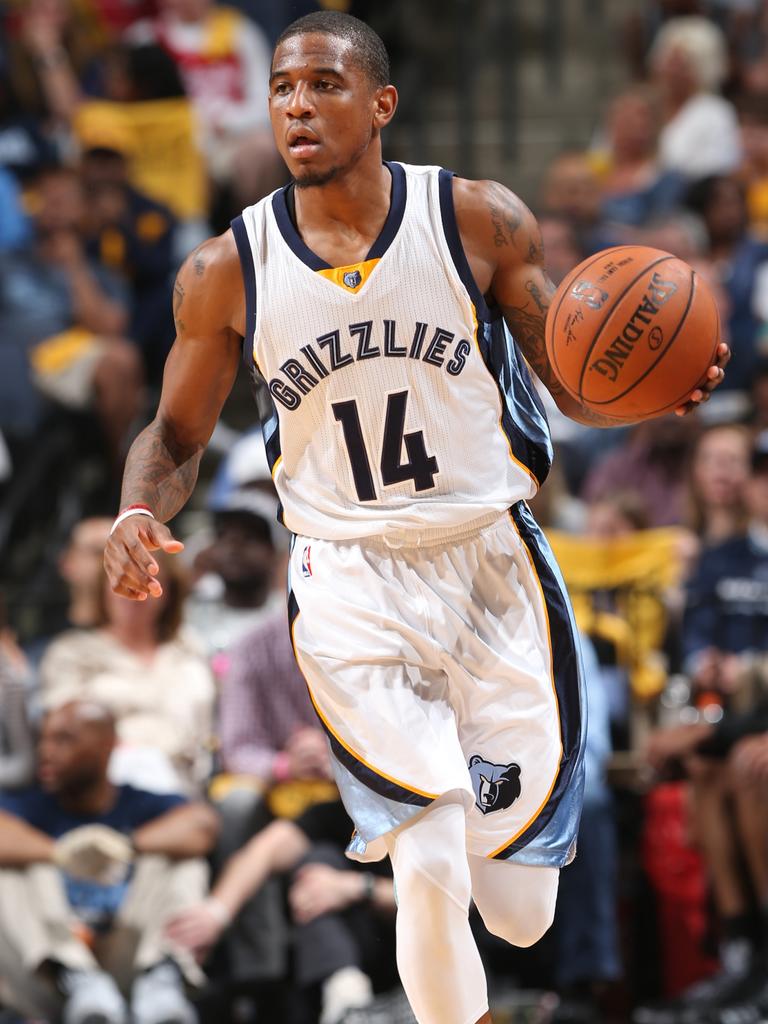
<point x="127" y="514"/>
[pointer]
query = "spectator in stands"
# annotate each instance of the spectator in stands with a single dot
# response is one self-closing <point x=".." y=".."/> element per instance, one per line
<point x="24" y="145"/>
<point x="153" y="679"/>
<point x="81" y="567"/>
<point x="726" y="643"/>
<point x="343" y="914"/>
<point x="651" y="463"/>
<point x="133" y="236"/>
<point x="62" y="324"/>
<point x="224" y="60"/>
<point x="270" y="745"/>
<point x="753" y="173"/>
<point x="89" y="875"/>
<point x="235" y="591"/>
<point x="742" y="266"/>
<point x="635" y="188"/>
<point x="571" y="191"/>
<point x="717" y="478"/>
<point x="689" y="62"/>
<point x="16" y="741"/>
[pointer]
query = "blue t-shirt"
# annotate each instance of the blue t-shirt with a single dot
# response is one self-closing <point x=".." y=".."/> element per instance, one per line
<point x="94" y="904"/>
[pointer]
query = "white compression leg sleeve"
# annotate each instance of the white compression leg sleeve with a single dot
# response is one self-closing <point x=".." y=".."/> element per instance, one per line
<point x="516" y="901"/>
<point x="437" y="958"/>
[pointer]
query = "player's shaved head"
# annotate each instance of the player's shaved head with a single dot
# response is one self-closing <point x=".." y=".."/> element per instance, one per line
<point x="369" y="51"/>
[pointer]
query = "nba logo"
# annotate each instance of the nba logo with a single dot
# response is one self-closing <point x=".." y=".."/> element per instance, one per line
<point x="352" y="278"/>
<point x="306" y="563"/>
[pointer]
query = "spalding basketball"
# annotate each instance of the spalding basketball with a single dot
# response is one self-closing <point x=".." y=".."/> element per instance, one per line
<point x="631" y="332"/>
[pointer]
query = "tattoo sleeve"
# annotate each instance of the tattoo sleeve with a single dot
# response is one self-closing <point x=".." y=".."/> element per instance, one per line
<point x="159" y="471"/>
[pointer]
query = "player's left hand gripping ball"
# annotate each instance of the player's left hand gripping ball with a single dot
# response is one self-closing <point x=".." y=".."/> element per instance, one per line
<point x="714" y="377"/>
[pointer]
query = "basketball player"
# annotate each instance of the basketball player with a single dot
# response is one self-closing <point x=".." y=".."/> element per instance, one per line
<point x="378" y="303"/>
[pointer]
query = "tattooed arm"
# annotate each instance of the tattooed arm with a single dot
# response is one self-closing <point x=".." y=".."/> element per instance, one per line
<point x="504" y="248"/>
<point x="161" y="467"/>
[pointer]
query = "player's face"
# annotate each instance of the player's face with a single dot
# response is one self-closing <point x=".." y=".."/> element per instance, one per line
<point x="323" y="107"/>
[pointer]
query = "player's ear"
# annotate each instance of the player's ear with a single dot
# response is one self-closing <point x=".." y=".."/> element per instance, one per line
<point x="384" y="105"/>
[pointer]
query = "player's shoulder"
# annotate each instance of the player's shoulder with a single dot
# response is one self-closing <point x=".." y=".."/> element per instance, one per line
<point x="493" y="218"/>
<point x="210" y="281"/>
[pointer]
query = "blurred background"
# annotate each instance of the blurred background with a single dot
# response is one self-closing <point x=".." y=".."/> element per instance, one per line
<point x="131" y="130"/>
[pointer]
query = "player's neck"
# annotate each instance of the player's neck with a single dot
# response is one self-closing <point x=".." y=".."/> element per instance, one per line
<point x="354" y="204"/>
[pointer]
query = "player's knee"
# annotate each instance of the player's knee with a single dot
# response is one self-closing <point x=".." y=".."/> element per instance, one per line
<point x="520" y="913"/>
<point x="523" y="923"/>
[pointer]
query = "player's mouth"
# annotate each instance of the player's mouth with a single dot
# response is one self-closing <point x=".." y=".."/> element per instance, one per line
<point x="302" y="144"/>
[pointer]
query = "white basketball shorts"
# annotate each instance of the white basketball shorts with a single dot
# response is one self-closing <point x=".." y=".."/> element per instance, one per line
<point x="451" y="666"/>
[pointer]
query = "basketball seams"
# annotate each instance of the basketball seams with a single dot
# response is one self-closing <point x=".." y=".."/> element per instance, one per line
<point x="659" y="357"/>
<point x="588" y="354"/>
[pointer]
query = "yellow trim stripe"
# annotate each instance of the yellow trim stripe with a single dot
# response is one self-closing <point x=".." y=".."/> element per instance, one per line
<point x="512" y="455"/>
<point x="274" y="469"/>
<point x="533" y="818"/>
<point x="349" y="750"/>
<point x="336" y="274"/>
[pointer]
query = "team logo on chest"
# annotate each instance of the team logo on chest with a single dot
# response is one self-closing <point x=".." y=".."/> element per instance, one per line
<point x="496" y="786"/>
<point x="352" y="278"/>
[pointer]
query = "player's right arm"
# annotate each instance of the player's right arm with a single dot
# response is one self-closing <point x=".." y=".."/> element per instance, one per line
<point x="162" y="464"/>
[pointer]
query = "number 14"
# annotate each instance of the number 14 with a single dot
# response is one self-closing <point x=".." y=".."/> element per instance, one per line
<point x="420" y="467"/>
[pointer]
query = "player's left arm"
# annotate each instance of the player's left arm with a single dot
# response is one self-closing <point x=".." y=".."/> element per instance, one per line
<point x="504" y="246"/>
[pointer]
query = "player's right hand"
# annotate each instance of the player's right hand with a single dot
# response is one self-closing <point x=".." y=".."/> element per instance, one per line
<point x="128" y="563"/>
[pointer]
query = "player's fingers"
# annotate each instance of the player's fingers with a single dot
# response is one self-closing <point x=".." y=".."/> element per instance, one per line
<point x="723" y="354"/>
<point x="159" y="536"/>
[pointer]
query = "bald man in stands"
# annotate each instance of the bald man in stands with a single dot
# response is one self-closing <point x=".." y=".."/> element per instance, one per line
<point x="89" y="874"/>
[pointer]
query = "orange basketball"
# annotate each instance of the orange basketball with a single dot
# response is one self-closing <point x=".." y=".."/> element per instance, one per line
<point x="631" y="332"/>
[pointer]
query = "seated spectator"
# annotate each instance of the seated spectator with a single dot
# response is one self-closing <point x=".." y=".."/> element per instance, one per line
<point x="753" y="173"/>
<point x="132" y="236"/>
<point x="267" y="725"/>
<point x="688" y="63"/>
<point x="725" y="637"/>
<point x="24" y="145"/>
<point x="571" y="191"/>
<point x="652" y="463"/>
<point x="276" y="763"/>
<point x="741" y="262"/>
<point x="343" y="915"/>
<point x="62" y="321"/>
<point x="151" y="676"/>
<point x="224" y="60"/>
<point x="89" y="875"/>
<point x="717" y="478"/>
<point x="81" y="567"/>
<point x="234" y="592"/>
<point x="635" y="188"/>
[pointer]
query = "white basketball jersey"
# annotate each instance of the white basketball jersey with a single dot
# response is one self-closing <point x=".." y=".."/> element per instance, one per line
<point x="398" y="401"/>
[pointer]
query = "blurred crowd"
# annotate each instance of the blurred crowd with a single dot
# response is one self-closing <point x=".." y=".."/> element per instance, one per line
<point x="171" y="841"/>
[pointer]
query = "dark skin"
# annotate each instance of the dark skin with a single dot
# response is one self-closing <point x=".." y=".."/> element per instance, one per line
<point x="327" y="117"/>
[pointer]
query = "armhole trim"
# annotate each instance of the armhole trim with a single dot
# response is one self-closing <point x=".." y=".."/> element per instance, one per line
<point x="453" y="238"/>
<point x="245" y="253"/>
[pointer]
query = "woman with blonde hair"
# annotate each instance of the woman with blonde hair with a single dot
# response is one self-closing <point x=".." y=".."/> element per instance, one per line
<point x="688" y="62"/>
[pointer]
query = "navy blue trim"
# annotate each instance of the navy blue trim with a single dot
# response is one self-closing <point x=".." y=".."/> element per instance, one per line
<point x="396" y="213"/>
<point x="245" y="253"/>
<point x="368" y="777"/>
<point x="292" y="238"/>
<point x="523" y="418"/>
<point x="565" y="667"/>
<point x="453" y="238"/>
<point x="290" y="235"/>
